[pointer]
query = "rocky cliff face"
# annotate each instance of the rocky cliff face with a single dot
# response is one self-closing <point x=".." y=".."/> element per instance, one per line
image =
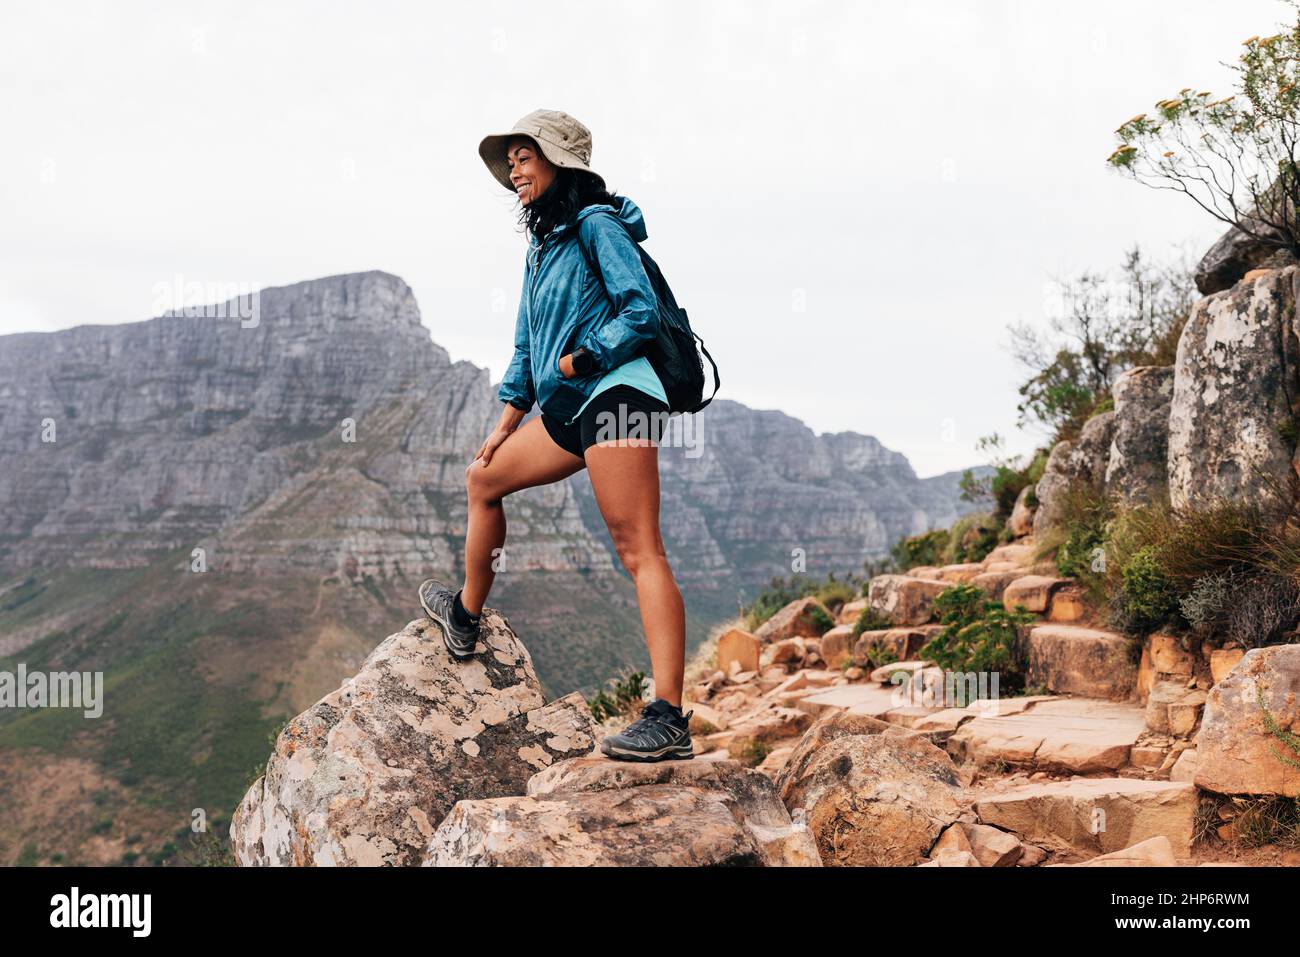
<point x="1220" y="425"/>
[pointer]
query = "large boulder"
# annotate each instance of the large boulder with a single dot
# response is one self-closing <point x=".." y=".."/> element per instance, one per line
<point x="750" y="795"/>
<point x="1069" y="659"/>
<point x="1231" y="420"/>
<point x="803" y="617"/>
<point x="739" y="648"/>
<point x="1137" y="471"/>
<point x="903" y="599"/>
<point x="1236" y="753"/>
<point x="871" y="792"/>
<point x="1070" y="465"/>
<point x="663" y="825"/>
<point x="1021" y="521"/>
<point x="1237" y="253"/>
<point x="365" y="776"/>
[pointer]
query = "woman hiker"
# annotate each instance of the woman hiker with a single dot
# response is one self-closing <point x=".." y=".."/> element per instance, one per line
<point x="586" y="308"/>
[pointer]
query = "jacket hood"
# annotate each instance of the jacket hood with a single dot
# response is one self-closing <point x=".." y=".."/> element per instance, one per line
<point x="629" y="215"/>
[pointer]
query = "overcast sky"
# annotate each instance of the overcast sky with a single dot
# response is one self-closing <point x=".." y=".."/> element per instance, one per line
<point x="853" y="200"/>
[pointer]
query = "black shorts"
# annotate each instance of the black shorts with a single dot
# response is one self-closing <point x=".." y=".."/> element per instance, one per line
<point x="629" y="413"/>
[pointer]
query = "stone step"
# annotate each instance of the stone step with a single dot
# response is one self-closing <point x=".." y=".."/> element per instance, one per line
<point x="1077" y="735"/>
<point x="959" y="574"/>
<point x="1069" y="659"/>
<point x="994" y="582"/>
<point x="903" y="599"/>
<point x="868" y="699"/>
<point x="905" y="643"/>
<point x="1069" y="604"/>
<point x="1091" y="816"/>
<point x="1020" y="553"/>
<point x="1032" y="592"/>
<point x="850" y="611"/>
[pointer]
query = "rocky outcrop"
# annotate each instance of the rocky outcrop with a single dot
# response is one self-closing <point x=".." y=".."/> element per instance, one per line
<point x="1232" y="416"/>
<point x="366" y="775"/>
<point x="1137" y="470"/>
<point x="657" y="825"/>
<point x="748" y="794"/>
<point x="1021" y="520"/>
<point x="596" y="812"/>
<point x="1237" y="252"/>
<point x="1236" y="752"/>
<point x="872" y="793"/>
<point x="1079" y="464"/>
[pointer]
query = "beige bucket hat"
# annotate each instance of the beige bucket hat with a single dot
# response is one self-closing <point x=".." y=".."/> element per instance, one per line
<point x="562" y="139"/>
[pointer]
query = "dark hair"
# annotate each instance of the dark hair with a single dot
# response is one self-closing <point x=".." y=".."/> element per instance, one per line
<point x="571" y="190"/>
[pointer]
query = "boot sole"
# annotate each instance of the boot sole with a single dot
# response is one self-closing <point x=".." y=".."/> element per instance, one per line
<point x="673" y="752"/>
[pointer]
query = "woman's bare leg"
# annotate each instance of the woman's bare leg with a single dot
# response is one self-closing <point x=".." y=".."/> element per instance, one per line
<point x="625" y="479"/>
<point x="529" y="457"/>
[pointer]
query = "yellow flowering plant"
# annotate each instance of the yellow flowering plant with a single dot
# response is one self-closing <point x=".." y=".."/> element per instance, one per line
<point x="1234" y="156"/>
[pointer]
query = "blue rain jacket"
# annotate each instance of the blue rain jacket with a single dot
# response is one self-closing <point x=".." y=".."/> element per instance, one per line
<point x="564" y="305"/>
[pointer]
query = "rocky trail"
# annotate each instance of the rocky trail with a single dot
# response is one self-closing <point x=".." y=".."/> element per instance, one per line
<point x="804" y="757"/>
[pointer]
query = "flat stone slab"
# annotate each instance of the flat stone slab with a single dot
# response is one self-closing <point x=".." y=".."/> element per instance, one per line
<point x="868" y="699"/>
<point x="960" y="573"/>
<point x="1094" y="815"/>
<point x="1079" y="735"/>
<point x="1020" y="553"/>
<point x="1153" y="852"/>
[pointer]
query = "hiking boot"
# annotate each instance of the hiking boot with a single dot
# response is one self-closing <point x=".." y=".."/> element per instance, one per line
<point x="438" y="602"/>
<point x="662" y="733"/>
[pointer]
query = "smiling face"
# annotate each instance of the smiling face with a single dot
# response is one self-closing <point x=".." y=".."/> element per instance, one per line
<point x="530" y="171"/>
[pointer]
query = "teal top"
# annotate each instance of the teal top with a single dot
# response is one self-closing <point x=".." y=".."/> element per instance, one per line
<point x="638" y="373"/>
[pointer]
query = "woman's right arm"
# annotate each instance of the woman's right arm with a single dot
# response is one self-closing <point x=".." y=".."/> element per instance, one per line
<point x="509" y="421"/>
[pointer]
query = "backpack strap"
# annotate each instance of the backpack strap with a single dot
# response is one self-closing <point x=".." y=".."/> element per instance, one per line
<point x="717" y="381"/>
<point x="661" y="288"/>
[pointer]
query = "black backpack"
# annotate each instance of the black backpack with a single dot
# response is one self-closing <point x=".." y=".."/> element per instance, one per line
<point x="673" y="353"/>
